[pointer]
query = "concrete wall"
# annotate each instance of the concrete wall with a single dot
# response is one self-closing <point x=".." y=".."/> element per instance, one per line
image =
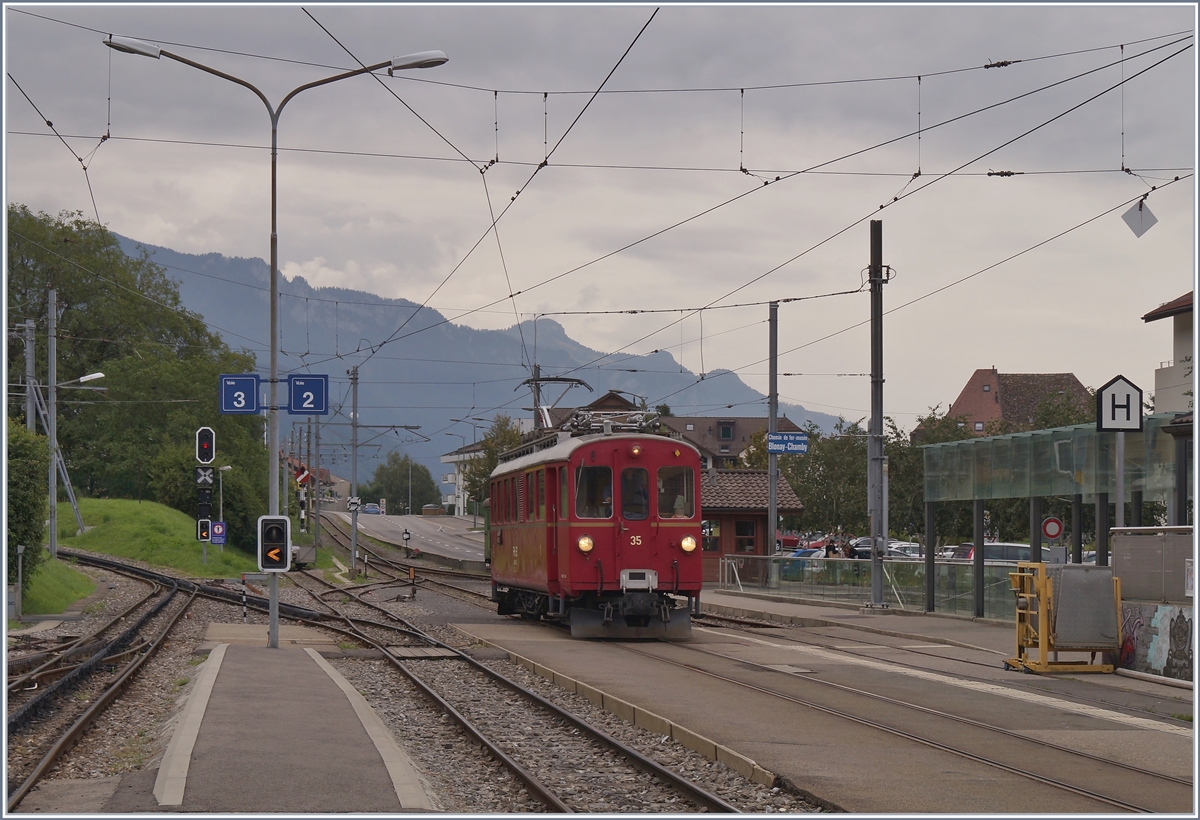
<point x="1157" y="638"/>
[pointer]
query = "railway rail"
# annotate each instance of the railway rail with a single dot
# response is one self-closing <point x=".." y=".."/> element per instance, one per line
<point x="551" y="741"/>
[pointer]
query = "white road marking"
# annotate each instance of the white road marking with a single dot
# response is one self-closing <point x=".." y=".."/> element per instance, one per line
<point x="978" y="686"/>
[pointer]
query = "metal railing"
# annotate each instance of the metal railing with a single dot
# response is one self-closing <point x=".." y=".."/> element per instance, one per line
<point x="846" y="580"/>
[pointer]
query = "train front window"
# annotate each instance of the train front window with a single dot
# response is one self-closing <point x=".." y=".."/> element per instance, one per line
<point x="676" y="497"/>
<point x="635" y="494"/>
<point x="593" y="492"/>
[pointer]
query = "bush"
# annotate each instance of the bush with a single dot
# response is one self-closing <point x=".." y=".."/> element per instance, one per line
<point x="28" y="500"/>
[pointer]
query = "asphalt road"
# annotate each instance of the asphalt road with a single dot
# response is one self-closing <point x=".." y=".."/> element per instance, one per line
<point x="445" y="535"/>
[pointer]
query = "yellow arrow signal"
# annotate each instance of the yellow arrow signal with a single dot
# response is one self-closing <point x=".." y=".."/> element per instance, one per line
<point x="273" y="554"/>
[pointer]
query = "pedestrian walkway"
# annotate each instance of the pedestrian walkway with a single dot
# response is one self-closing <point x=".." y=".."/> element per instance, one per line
<point x="280" y="731"/>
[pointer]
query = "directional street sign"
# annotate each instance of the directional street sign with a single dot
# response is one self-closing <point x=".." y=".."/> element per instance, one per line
<point x="205" y="476"/>
<point x="1119" y="407"/>
<point x="216" y="532"/>
<point x="239" y="393"/>
<point x="787" y="443"/>
<point x="308" y="395"/>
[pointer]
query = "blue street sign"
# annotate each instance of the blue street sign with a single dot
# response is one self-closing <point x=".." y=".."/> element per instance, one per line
<point x="239" y="393"/>
<point x="787" y="443"/>
<point x="308" y="395"/>
<point x="216" y="533"/>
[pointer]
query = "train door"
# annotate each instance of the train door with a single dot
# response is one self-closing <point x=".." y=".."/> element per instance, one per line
<point x="559" y="525"/>
<point x="635" y="534"/>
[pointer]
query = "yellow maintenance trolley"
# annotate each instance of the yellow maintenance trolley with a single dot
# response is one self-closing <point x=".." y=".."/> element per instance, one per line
<point x="1072" y="608"/>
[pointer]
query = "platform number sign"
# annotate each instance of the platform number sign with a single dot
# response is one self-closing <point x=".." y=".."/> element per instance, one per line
<point x="239" y="393"/>
<point x="308" y="395"/>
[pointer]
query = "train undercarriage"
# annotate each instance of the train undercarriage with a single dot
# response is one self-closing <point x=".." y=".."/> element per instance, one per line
<point x="617" y="614"/>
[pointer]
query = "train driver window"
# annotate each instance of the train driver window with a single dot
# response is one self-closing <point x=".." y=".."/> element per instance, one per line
<point x="676" y="498"/>
<point x="593" y="492"/>
<point x="635" y="494"/>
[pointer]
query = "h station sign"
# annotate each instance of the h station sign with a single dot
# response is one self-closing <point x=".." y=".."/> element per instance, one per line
<point x="1119" y="407"/>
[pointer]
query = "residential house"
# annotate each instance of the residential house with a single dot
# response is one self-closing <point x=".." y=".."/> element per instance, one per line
<point x="1173" y="380"/>
<point x="1011" y="399"/>
<point x="733" y="505"/>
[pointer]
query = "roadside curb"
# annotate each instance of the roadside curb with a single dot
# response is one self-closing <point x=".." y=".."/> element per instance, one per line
<point x="649" y="721"/>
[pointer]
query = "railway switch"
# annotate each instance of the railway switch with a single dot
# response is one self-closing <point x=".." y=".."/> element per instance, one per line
<point x="274" y="543"/>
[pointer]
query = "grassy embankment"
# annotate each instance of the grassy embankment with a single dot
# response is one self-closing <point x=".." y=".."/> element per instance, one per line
<point x="141" y="531"/>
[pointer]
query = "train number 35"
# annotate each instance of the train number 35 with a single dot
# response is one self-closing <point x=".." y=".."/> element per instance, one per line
<point x="635" y="540"/>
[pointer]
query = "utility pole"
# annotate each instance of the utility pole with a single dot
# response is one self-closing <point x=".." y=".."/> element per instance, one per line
<point x="320" y="489"/>
<point x="30" y="404"/>
<point x="353" y="468"/>
<point x="52" y="416"/>
<point x="772" y="428"/>
<point x="875" y="486"/>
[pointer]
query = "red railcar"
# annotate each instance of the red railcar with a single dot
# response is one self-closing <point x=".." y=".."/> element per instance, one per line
<point x="602" y="530"/>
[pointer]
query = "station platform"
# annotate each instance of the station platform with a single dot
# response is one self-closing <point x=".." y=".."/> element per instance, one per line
<point x="279" y="730"/>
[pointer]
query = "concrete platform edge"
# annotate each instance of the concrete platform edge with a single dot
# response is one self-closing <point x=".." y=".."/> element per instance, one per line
<point x="403" y="774"/>
<point x="647" y="720"/>
<point x="173" y="770"/>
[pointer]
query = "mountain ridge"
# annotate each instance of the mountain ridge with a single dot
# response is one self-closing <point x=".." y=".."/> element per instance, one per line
<point x="431" y="370"/>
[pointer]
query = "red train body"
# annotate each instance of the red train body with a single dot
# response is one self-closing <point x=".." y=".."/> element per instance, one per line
<point x="602" y="530"/>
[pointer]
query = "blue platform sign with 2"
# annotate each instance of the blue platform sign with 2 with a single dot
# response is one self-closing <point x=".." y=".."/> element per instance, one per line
<point x="308" y="395"/>
<point x="239" y="393"/>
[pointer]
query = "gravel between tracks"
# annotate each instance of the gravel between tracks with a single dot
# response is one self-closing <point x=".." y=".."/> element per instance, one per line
<point x="133" y="734"/>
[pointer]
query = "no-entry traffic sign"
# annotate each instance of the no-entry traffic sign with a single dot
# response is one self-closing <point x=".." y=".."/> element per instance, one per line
<point x="1052" y="528"/>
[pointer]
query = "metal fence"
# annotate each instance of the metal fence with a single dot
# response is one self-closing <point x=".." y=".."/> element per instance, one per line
<point x="846" y="580"/>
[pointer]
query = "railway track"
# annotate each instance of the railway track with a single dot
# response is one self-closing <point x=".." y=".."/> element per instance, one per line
<point x="554" y="754"/>
<point x="1095" y="777"/>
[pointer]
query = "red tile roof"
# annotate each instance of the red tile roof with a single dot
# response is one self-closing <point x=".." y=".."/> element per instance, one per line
<point x="744" y="490"/>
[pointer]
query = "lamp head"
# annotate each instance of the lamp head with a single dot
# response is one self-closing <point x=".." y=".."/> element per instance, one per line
<point x="422" y="59"/>
<point x="91" y="377"/>
<point x="132" y="46"/>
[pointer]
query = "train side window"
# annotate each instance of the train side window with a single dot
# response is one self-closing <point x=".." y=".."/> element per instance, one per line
<point x="562" y="493"/>
<point x="593" y="492"/>
<point x="635" y="494"/>
<point x="743" y="536"/>
<point x="710" y="536"/>
<point x="676" y="498"/>
<point x="541" y="495"/>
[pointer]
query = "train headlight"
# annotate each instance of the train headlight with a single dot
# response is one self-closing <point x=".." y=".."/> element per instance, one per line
<point x="585" y="544"/>
<point x="636" y="451"/>
<point x="688" y="543"/>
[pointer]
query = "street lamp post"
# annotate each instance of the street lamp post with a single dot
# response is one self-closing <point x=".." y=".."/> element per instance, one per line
<point x="424" y="59"/>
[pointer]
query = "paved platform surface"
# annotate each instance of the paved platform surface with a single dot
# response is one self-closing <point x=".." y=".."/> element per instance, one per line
<point x="279" y="730"/>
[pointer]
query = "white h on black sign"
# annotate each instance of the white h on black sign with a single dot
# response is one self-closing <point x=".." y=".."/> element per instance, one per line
<point x="1119" y="407"/>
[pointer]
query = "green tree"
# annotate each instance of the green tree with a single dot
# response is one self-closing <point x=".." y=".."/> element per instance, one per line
<point x="501" y="437"/>
<point x="390" y="481"/>
<point x="663" y="410"/>
<point x="27" y="500"/>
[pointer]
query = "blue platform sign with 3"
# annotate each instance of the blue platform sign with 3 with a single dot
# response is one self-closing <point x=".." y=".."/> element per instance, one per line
<point x="239" y="393"/>
<point x="308" y="395"/>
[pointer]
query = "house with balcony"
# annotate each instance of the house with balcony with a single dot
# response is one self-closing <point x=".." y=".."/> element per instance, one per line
<point x="1173" y="379"/>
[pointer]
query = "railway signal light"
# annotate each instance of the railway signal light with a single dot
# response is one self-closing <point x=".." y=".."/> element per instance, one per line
<point x="274" y="543"/>
<point x="206" y="445"/>
<point x="204" y="530"/>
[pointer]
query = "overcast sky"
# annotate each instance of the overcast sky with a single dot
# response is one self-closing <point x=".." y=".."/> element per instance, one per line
<point x="381" y="189"/>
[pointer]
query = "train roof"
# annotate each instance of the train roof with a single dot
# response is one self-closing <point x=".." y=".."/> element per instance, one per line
<point x="550" y="450"/>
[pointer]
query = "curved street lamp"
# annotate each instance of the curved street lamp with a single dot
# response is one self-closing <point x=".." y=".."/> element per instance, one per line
<point x="422" y="59"/>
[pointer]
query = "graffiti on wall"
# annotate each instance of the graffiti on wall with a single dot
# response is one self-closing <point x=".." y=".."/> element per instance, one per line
<point x="1179" y="649"/>
<point x="1157" y="638"/>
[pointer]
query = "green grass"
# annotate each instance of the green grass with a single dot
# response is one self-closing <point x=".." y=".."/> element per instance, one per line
<point x="55" y="587"/>
<point x="149" y="532"/>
